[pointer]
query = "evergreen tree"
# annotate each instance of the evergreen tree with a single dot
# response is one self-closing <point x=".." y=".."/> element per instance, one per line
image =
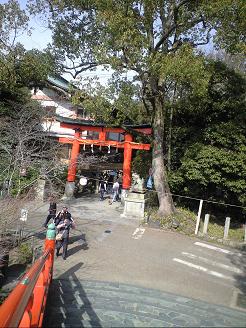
<point x="153" y="38"/>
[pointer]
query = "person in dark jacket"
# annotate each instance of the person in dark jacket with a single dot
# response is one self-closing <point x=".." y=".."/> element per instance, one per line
<point x="64" y="223"/>
<point x="102" y="188"/>
<point x="62" y="215"/>
<point x="52" y="212"/>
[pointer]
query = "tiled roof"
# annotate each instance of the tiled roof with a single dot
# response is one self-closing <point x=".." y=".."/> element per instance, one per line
<point x="41" y="97"/>
<point x="91" y="122"/>
<point x="59" y="82"/>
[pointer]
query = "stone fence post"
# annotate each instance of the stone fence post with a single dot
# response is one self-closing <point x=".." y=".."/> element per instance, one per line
<point x="205" y="226"/>
<point x="198" y="216"/>
<point x="227" y="227"/>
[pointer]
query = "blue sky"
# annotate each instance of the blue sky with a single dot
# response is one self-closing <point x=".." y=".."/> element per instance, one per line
<point x="41" y="35"/>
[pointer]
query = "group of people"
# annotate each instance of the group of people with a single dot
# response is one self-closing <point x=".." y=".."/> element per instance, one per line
<point x="115" y="188"/>
<point x="63" y="219"/>
<point x="64" y="222"/>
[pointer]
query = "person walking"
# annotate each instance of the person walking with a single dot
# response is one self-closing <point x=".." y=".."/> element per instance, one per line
<point x="62" y="215"/>
<point x="52" y="211"/>
<point x="150" y="181"/>
<point x="64" y="222"/>
<point x="63" y="228"/>
<point x="102" y="188"/>
<point x="116" y="186"/>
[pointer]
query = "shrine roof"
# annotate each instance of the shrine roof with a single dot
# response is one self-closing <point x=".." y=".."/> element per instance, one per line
<point x="84" y="122"/>
<point x="60" y="82"/>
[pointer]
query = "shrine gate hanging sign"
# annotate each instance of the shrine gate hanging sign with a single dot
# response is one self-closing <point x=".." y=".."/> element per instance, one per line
<point x="128" y="145"/>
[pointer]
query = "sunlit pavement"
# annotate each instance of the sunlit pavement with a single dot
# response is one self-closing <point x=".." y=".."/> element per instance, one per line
<point x="121" y="274"/>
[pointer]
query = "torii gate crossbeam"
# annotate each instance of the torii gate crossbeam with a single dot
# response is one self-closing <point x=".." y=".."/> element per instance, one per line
<point x="128" y="145"/>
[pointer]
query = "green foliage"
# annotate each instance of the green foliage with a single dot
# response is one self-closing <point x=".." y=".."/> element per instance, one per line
<point x="25" y="253"/>
<point x="34" y="67"/>
<point x="209" y="140"/>
<point x="185" y="217"/>
<point x="23" y="144"/>
<point x="142" y="163"/>
<point x="216" y="230"/>
<point x="236" y="234"/>
<point x="13" y="21"/>
<point x="157" y="40"/>
<point x="20" y="184"/>
<point x="229" y="19"/>
<point x="116" y="104"/>
<point x="185" y="68"/>
<point x="19" y="70"/>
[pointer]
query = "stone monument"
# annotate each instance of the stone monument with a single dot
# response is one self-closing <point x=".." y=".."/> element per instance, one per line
<point x="134" y="201"/>
<point x="40" y="187"/>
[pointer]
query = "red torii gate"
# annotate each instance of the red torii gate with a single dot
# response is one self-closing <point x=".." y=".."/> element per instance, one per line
<point x="128" y="145"/>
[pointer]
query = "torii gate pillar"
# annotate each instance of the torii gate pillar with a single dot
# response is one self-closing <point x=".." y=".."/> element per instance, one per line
<point x="126" y="183"/>
<point x="128" y="145"/>
<point x="71" y="175"/>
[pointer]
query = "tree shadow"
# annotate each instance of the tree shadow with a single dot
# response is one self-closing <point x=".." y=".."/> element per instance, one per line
<point x="13" y="274"/>
<point x="238" y="259"/>
<point x="93" y="196"/>
<point x="76" y="249"/>
<point x="77" y="238"/>
<point x="40" y="235"/>
<point x="68" y="304"/>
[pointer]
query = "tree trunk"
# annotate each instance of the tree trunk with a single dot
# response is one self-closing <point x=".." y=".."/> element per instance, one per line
<point x="169" y="140"/>
<point x="166" y="206"/>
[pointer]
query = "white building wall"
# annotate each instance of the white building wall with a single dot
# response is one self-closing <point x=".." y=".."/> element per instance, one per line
<point x="49" y="98"/>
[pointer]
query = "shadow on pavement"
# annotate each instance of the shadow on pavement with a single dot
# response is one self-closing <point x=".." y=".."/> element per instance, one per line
<point x="74" y="238"/>
<point x="40" y="235"/>
<point x="81" y="241"/>
<point x="240" y="263"/>
<point x="68" y="304"/>
<point x="76" y="249"/>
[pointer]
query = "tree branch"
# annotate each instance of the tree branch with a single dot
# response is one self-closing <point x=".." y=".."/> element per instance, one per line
<point x="203" y="43"/>
<point x="165" y="36"/>
<point x="171" y="27"/>
<point x="181" y="3"/>
<point x="92" y="64"/>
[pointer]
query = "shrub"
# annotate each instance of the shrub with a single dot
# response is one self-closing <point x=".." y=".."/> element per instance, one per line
<point x="25" y="253"/>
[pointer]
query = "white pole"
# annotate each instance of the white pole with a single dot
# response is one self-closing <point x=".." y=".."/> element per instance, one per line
<point x="198" y="216"/>
<point x="227" y="226"/>
<point x="206" y="220"/>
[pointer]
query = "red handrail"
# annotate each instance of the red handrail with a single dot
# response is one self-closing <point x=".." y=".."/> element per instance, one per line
<point x="25" y="305"/>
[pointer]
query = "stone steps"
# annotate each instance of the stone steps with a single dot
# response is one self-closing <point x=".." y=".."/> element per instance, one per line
<point x="86" y="303"/>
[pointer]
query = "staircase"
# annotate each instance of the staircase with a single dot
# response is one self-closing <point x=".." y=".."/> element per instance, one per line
<point x="84" y="303"/>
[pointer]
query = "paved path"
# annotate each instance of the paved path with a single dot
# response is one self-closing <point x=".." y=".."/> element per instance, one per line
<point x="175" y="269"/>
<point x="90" y="303"/>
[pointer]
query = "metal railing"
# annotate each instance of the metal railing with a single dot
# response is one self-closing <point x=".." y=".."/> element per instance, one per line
<point x="25" y="305"/>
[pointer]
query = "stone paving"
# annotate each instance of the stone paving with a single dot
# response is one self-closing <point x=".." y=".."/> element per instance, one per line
<point x="85" y="303"/>
<point x="111" y="298"/>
